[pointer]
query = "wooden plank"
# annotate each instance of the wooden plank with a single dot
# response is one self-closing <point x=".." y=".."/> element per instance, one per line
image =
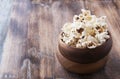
<point x="15" y="45"/>
<point x="5" y="10"/>
<point x="39" y="35"/>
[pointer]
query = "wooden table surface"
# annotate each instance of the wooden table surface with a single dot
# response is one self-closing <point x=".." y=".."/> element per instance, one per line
<point x="29" y="32"/>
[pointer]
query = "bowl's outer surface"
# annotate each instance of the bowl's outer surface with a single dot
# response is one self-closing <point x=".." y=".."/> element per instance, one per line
<point x="86" y="55"/>
<point x="81" y="68"/>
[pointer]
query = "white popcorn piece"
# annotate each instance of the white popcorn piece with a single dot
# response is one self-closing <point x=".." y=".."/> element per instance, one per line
<point x="91" y="38"/>
<point x="78" y="45"/>
<point x="93" y="19"/>
<point x="75" y="18"/>
<point x="77" y="25"/>
<point x="85" y="12"/>
<point x="81" y="45"/>
<point x="86" y="30"/>
<point x="82" y="40"/>
<point x="81" y="15"/>
<point x="102" y="37"/>
<point x="88" y="18"/>
<point x="67" y="28"/>
<point x="102" y="20"/>
<point x="68" y="40"/>
<point x="91" y="44"/>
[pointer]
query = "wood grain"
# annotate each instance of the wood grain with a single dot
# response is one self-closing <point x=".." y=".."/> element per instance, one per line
<point x="29" y="32"/>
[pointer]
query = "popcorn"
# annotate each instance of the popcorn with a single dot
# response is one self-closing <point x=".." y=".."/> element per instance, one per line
<point x="86" y="31"/>
<point x="81" y="44"/>
<point x="76" y="18"/>
<point x="91" y="44"/>
<point x="102" y="37"/>
<point x="85" y="12"/>
<point x="91" y="38"/>
<point x="66" y="28"/>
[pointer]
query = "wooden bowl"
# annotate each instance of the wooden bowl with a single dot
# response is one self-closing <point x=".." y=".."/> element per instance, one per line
<point x="85" y="55"/>
<point x="77" y="59"/>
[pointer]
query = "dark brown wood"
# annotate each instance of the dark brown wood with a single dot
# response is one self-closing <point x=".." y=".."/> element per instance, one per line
<point x="29" y="32"/>
<point x="79" y="68"/>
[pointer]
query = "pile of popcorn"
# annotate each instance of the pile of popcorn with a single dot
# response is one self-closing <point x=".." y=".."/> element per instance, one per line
<point x="86" y="31"/>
